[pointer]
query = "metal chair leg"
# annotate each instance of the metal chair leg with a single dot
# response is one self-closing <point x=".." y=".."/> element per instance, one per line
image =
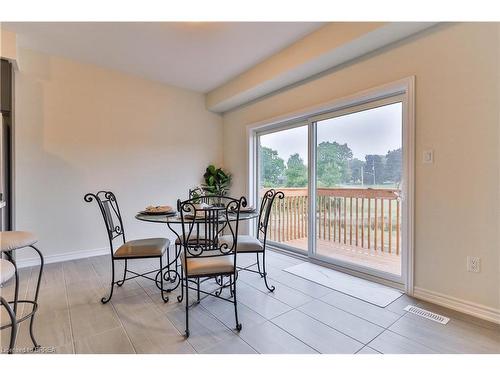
<point x="13" y="322"/>
<point x="165" y="299"/>
<point x="36" y="295"/>
<point x="231" y="282"/>
<point x="258" y="265"/>
<point x="120" y="283"/>
<point x="168" y="263"/>
<point x="104" y="299"/>
<point x="187" y="308"/>
<point x="181" y="297"/>
<point x="238" y="324"/>
<point x="198" y="289"/>
<point x="10" y="257"/>
<point x="270" y="288"/>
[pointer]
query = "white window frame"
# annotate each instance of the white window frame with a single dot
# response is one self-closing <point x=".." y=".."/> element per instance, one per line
<point x="405" y="89"/>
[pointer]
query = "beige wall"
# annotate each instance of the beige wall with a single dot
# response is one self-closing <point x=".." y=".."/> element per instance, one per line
<point x="8" y="46"/>
<point x="456" y="198"/>
<point x="80" y="128"/>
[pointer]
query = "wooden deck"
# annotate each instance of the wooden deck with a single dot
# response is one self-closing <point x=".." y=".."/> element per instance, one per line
<point x="381" y="261"/>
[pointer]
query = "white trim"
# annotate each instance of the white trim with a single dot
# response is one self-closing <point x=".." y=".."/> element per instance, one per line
<point x="64" y="257"/>
<point x="409" y="178"/>
<point x="312" y="142"/>
<point x="367" y="95"/>
<point x="467" y="307"/>
<point x="404" y="87"/>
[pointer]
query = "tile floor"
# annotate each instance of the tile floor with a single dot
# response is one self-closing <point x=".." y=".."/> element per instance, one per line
<point x="299" y="317"/>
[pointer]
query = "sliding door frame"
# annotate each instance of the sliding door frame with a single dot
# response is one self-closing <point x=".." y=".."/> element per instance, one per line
<point x="313" y="251"/>
<point x="405" y="90"/>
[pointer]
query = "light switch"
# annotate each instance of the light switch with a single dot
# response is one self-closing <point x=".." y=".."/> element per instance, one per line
<point x="428" y="156"/>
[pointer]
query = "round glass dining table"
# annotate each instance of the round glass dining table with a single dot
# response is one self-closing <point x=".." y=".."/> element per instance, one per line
<point x="174" y="223"/>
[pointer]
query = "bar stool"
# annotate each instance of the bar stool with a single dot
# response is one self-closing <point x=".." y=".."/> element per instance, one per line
<point x="7" y="270"/>
<point x="10" y="242"/>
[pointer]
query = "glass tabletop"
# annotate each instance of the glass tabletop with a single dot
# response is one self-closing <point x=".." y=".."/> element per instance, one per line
<point x="177" y="219"/>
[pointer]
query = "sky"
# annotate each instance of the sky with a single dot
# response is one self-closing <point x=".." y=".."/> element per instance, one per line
<point x="374" y="131"/>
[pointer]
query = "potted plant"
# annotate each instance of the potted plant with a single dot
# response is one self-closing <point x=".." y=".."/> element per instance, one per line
<point x="217" y="181"/>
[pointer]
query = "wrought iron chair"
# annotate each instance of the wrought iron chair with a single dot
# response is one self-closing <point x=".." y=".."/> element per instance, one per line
<point x="129" y="250"/>
<point x="207" y="258"/>
<point x="257" y="245"/>
<point x="198" y="196"/>
<point x="10" y="242"/>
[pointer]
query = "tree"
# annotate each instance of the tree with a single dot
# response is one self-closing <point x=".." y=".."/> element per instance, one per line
<point x="296" y="172"/>
<point x="374" y="173"/>
<point x="272" y="167"/>
<point x="393" y="166"/>
<point x="332" y="163"/>
<point x="356" y="168"/>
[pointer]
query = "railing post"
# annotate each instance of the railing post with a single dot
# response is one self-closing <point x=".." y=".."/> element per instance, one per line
<point x="345" y="220"/>
<point x="397" y="227"/>
<point x="382" y="224"/>
<point x="357" y="222"/>
<point x="369" y="222"/>
<point x="390" y="226"/>
<point x="362" y="222"/>
<point x="350" y="221"/>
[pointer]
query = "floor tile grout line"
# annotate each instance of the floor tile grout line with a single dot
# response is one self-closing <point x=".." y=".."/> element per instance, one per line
<point x="24" y="295"/>
<point x="320" y="300"/>
<point x="230" y="329"/>
<point x="123" y="327"/>
<point x="142" y="289"/>
<point x="277" y="316"/>
<point x="326" y="324"/>
<point x="369" y="347"/>
<point x="117" y="315"/>
<point x="409" y="338"/>
<point x="26" y="291"/>
<point x="296" y="309"/>
<point x="266" y="320"/>
<point x="158" y="309"/>
<point x="291" y="334"/>
<point x="388" y="329"/>
<point x="360" y="317"/>
<point x="292" y="308"/>
<point x="166" y="316"/>
<point x="69" y="309"/>
<point x="271" y="294"/>
<point x="256" y="312"/>
<point x="334" y="290"/>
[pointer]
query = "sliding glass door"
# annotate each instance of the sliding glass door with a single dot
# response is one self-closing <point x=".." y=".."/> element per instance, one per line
<point x="343" y="175"/>
<point x="358" y="186"/>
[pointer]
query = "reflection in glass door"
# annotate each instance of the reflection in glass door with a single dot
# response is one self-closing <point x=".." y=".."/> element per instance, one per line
<point x="283" y="165"/>
<point x="358" y="184"/>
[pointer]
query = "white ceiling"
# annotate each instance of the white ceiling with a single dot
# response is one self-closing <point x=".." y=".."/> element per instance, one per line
<point x="192" y="55"/>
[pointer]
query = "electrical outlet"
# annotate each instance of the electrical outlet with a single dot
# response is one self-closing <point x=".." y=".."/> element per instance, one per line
<point x="473" y="264"/>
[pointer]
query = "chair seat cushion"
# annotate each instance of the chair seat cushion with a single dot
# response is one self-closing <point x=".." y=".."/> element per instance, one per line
<point x="205" y="265"/>
<point x="148" y="247"/>
<point x="7" y="270"/>
<point x="245" y="243"/>
<point x="12" y="240"/>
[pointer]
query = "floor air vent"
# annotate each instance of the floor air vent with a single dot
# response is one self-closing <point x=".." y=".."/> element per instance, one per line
<point x="427" y="314"/>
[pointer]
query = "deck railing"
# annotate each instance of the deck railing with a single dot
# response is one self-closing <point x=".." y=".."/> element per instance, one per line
<point x="365" y="218"/>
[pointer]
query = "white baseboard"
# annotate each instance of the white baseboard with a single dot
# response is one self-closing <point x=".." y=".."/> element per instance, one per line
<point x="29" y="262"/>
<point x="467" y="307"/>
